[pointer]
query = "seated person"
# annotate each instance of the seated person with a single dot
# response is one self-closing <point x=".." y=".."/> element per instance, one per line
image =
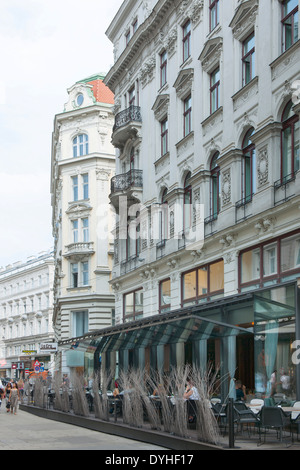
<point x="240" y="391"/>
<point x="191" y="392"/>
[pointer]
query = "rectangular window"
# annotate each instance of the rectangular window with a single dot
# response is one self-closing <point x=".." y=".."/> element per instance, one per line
<point x="163" y="68"/>
<point x="74" y="275"/>
<point x="85" y="273"/>
<point x="203" y="282"/>
<point x="85" y="186"/>
<point x="270" y="262"/>
<point x="85" y="230"/>
<point x="213" y="13"/>
<point x="248" y="59"/>
<point x="290" y="253"/>
<point x="79" y="274"/>
<point x="214" y="90"/>
<point x="270" y="259"/>
<point x="134" y="26"/>
<point x="187" y="116"/>
<point x="75" y="231"/>
<point x="75" y="187"/>
<point x="289" y="23"/>
<point x="165" y="296"/>
<point x="186" y="30"/>
<point x="80" y="323"/>
<point x="250" y="261"/>
<point x="164" y="136"/>
<point x="127" y="38"/>
<point x="133" y="305"/>
<point x="131" y="96"/>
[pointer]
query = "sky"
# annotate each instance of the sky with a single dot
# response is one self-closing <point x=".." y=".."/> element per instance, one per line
<point x="45" y="47"/>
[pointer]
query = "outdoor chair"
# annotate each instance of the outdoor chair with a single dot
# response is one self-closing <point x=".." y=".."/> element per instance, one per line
<point x="269" y="401"/>
<point x="219" y="411"/>
<point x="243" y="415"/>
<point x="295" y="417"/>
<point x="274" y="418"/>
<point x="191" y="411"/>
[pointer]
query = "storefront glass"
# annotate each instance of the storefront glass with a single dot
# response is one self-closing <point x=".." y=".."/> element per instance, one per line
<point x="274" y="334"/>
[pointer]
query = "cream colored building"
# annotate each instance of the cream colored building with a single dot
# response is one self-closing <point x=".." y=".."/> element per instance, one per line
<point x="82" y="165"/>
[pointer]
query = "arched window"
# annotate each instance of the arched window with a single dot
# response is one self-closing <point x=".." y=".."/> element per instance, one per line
<point x="187" y="203"/>
<point x="248" y="167"/>
<point x="80" y="145"/>
<point x="290" y="143"/>
<point x="215" y="186"/>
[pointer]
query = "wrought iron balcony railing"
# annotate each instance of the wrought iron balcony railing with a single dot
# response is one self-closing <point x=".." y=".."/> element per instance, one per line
<point x="284" y="188"/>
<point x="133" y="178"/>
<point x="133" y="113"/>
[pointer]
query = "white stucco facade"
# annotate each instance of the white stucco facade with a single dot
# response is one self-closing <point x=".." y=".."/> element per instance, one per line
<point x="83" y="163"/>
<point x="26" y="311"/>
<point x="235" y="217"/>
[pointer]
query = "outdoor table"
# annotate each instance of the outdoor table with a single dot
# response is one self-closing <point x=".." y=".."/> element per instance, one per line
<point x="291" y="410"/>
<point x="255" y="408"/>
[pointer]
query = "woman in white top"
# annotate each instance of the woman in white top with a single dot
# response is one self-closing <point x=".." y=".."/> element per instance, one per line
<point x="191" y="392"/>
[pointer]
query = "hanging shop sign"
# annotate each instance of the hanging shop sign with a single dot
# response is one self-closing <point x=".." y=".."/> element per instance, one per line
<point x="29" y="352"/>
<point x="48" y="347"/>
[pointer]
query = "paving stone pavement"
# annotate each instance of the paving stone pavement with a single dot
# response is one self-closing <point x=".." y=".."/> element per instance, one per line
<point x="25" y="431"/>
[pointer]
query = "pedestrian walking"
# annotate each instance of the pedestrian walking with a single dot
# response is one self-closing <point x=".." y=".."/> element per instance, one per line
<point x="20" y="384"/>
<point x="14" y="398"/>
<point x="7" y="393"/>
<point x="2" y="393"/>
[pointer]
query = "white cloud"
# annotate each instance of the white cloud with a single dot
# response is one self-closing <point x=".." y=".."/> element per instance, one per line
<point x="45" y="48"/>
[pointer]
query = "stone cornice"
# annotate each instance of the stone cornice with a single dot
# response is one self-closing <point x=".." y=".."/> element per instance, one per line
<point x="137" y="42"/>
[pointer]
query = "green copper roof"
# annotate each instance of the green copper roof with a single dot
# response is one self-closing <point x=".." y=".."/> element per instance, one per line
<point x="98" y="76"/>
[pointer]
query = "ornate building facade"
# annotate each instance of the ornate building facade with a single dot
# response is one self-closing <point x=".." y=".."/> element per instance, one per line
<point x="82" y="165"/>
<point x="206" y="192"/>
<point x="207" y="138"/>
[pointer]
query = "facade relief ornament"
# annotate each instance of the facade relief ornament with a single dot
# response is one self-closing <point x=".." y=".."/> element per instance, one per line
<point x="228" y="240"/>
<point x="172" y="42"/>
<point x="263" y="166"/>
<point x="191" y="9"/>
<point x="265" y="224"/>
<point x="226" y="187"/>
<point x="147" y="71"/>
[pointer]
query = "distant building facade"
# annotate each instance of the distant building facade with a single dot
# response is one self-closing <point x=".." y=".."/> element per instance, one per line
<point x="26" y="310"/>
<point x="82" y="165"/>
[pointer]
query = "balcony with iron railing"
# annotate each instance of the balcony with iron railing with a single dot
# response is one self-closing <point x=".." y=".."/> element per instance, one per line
<point x="127" y="124"/>
<point x="286" y="187"/>
<point x="243" y="208"/>
<point x="128" y="184"/>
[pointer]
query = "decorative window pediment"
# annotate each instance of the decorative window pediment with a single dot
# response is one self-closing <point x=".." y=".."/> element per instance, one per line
<point x="78" y="209"/>
<point x="160" y="106"/>
<point x="211" y="53"/>
<point x="244" y="18"/>
<point x="184" y="82"/>
<point x="80" y="96"/>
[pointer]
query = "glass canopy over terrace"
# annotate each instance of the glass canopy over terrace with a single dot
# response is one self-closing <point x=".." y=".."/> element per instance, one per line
<point x="246" y="335"/>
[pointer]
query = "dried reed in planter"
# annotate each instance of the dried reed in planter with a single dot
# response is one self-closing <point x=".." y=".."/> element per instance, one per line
<point x="39" y="393"/>
<point x="57" y="381"/>
<point x="101" y="403"/>
<point x="80" y="404"/>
